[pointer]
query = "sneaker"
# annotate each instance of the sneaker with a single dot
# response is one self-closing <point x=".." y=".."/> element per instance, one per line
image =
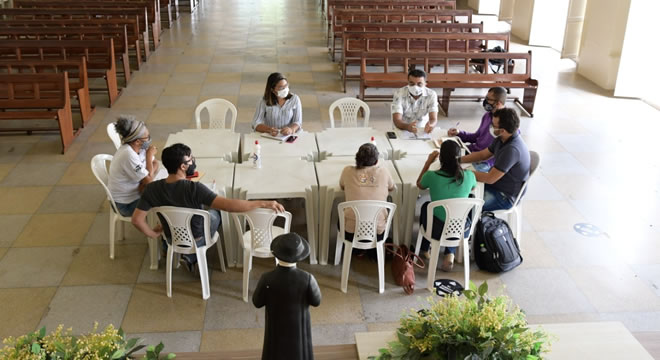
<point x="191" y="266"/>
<point x="448" y="263"/>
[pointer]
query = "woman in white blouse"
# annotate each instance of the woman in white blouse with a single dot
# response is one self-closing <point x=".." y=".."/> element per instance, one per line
<point x="278" y="112"/>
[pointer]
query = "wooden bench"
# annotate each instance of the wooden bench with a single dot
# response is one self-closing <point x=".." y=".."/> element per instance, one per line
<point x="100" y="56"/>
<point x="84" y="14"/>
<point x="77" y="77"/>
<point x="150" y="7"/>
<point x="97" y="33"/>
<point x="387" y="5"/>
<point x="355" y="43"/>
<point x="450" y="77"/>
<point x="133" y="35"/>
<point x="342" y="18"/>
<point x="38" y="97"/>
<point x="172" y="8"/>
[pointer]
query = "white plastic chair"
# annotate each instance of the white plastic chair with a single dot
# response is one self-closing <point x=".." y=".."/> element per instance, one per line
<point x="349" y="108"/>
<point x="365" y="237"/>
<point x="114" y="135"/>
<point x="513" y="216"/>
<point x="217" y="110"/>
<point x="183" y="242"/>
<point x="256" y="241"/>
<point x="453" y="233"/>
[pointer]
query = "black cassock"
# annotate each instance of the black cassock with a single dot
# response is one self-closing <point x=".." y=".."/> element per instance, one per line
<point x="287" y="294"/>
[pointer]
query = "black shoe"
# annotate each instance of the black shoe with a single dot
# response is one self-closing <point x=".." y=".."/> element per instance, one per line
<point x="190" y="265"/>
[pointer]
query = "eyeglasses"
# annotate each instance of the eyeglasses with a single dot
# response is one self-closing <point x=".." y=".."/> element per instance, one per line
<point x="190" y="161"/>
<point x="145" y="139"/>
<point x="491" y="101"/>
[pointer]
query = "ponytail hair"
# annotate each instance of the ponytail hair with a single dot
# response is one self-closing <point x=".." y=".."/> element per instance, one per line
<point x="450" y="156"/>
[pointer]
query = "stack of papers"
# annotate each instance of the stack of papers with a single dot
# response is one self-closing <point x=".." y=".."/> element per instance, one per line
<point x="279" y="137"/>
<point x="421" y="135"/>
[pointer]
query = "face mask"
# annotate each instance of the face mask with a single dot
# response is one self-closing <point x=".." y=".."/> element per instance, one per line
<point x="415" y="90"/>
<point x="190" y="171"/>
<point x="145" y="144"/>
<point x="283" y="93"/>
<point x="488" y="107"/>
<point x="492" y="131"/>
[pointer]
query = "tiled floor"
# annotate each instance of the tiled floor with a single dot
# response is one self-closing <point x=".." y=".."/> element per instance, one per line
<point x="54" y="265"/>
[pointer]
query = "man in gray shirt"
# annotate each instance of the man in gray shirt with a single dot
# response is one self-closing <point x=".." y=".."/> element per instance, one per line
<point x="511" y="169"/>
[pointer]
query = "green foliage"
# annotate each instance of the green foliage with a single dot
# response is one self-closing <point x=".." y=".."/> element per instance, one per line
<point x="111" y="344"/>
<point x="475" y="327"/>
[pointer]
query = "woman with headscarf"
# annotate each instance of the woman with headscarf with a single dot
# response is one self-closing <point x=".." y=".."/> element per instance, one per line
<point x="133" y="165"/>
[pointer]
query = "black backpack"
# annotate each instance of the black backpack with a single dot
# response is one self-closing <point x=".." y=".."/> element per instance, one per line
<point x="495" y="248"/>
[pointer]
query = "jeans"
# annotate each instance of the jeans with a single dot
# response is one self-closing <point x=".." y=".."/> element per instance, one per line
<point x="127" y="209"/>
<point x="438" y="226"/>
<point x="214" y="216"/>
<point x="495" y="200"/>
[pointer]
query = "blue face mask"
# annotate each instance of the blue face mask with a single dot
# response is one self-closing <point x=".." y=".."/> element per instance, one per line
<point x="145" y="144"/>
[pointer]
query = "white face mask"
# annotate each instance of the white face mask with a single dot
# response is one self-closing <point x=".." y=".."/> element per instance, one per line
<point x="492" y="132"/>
<point x="283" y="93"/>
<point x="415" y="90"/>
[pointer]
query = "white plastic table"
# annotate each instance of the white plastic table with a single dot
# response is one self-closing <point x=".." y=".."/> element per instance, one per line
<point x="409" y="168"/>
<point x="328" y="172"/>
<point x="281" y="177"/>
<point x="304" y="147"/>
<point x="223" y="174"/>
<point x="347" y="141"/>
<point x="209" y="143"/>
<point x="402" y="147"/>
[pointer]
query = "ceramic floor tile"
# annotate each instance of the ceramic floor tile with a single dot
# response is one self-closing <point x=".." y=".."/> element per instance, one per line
<point x="79" y="307"/>
<point x="150" y="310"/>
<point x="12" y="226"/>
<point x="223" y="77"/>
<point x="3" y="251"/>
<point x="231" y="340"/>
<point x="252" y="88"/>
<point x="222" y="68"/>
<point x="26" y="174"/>
<point x="136" y="102"/>
<point x="535" y="252"/>
<point x="4" y="170"/>
<point x="194" y="60"/>
<point x="12" y="152"/>
<point x="226" y="308"/>
<point x="171" y="116"/>
<point x="91" y="149"/>
<point x="22" y="200"/>
<point x="615" y="288"/>
<point x="181" y="101"/>
<point x="650" y="274"/>
<point x="337" y="307"/>
<point x="192" y="68"/>
<point x="35" y="267"/>
<point x="546" y="291"/>
<point x="635" y="321"/>
<point x="154" y="78"/>
<point x="98" y="233"/>
<point x="144" y="89"/>
<point x="187" y="77"/>
<point x="92" y="265"/>
<point x="175" y="342"/>
<point x="47" y="230"/>
<point x="75" y="198"/>
<point x="336" y="334"/>
<point x="309" y="101"/>
<point x="572" y="249"/>
<point x="22" y="309"/>
<point x="177" y="89"/>
<point x="79" y="173"/>
<point x="220" y="89"/>
<point x="563" y="217"/>
<point x="227" y="59"/>
<point x="384" y="326"/>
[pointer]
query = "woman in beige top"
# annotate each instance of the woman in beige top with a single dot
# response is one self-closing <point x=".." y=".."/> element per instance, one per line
<point x="365" y="181"/>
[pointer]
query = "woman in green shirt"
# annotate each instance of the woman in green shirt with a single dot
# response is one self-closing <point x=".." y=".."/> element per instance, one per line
<point x="449" y="182"/>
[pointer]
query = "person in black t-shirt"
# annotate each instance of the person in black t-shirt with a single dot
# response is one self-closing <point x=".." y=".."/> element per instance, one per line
<point x="176" y="190"/>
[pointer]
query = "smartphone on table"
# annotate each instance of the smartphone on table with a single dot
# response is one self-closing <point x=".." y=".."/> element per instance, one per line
<point x="391" y="134"/>
<point x="291" y="139"/>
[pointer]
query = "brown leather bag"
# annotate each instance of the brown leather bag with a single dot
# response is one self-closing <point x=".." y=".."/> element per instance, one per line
<point x="402" y="266"/>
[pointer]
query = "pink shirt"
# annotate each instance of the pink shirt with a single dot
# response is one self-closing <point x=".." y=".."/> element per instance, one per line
<point x="369" y="183"/>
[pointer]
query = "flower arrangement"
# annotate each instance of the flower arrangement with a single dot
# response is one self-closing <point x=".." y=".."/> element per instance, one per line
<point x="472" y="328"/>
<point x="110" y="344"/>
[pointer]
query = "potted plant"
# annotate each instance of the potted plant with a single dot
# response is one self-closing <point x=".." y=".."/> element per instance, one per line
<point x="62" y="345"/>
<point x="475" y="327"/>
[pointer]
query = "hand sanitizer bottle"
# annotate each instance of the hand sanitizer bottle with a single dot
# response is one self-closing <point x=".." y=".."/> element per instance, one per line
<point x="256" y="155"/>
<point x="373" y="140"/>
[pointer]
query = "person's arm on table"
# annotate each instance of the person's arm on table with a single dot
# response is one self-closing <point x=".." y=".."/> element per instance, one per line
<point x="296" y="121"/>
<point x="397" y="118"/>
<point x="478" y="156"/>
<point x="236" y="205"/>
<point x="491" y="177"/>
<point x="259" y="120"/>
<point x="433" y="121"/>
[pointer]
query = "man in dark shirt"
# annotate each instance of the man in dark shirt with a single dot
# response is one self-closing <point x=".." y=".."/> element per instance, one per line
<point x="511" y="168"/>
<point x="176" y="190"/>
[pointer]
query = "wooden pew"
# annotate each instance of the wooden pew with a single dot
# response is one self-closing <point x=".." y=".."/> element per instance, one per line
<point x="340" y="18"/>
<point x="133" y="35"/>
<point x="86" y="14"/>
<point x="77" y="77"/>
<point x="448" y="77"/>
<point x="100" y="56"/>
<point x="387" y="5"/>
<point x="22" y="98"/>
<point x="97" y="33"/>
<point x="150" y="7"/>
<point x="355" y="43"/>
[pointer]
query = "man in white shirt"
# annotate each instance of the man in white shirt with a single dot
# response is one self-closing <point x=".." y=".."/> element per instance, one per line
<point x="415" y="106"/>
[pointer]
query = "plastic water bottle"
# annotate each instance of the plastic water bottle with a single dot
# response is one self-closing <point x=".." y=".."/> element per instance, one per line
<point x="256" y="155"/>
<point x="373" y="140"/>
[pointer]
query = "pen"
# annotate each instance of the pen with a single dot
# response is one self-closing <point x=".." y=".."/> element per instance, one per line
<point x="458" y="123"/>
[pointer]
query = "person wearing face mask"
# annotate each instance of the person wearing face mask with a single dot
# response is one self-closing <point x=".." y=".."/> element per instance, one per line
<point x="279" y="112"/>
<point x="482" y="138"/>
<point x="415" y="106"/>
<point x="133" y="166"/>
<point x="511" y="162"/>
<point x="176" y="190"/>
